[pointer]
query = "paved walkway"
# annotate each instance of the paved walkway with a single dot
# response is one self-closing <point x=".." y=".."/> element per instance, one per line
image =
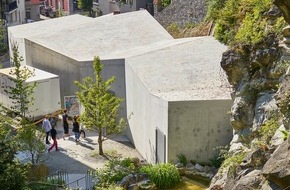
<point x="77" y="158"/>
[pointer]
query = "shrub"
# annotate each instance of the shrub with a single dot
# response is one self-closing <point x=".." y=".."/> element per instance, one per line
<point x="163" y="175"/>
<point x="218" y="159"/>
<point x="232" y="162"/>
<point x="115" y="170"/>
<point x="242" y="21"/>
<point x="182" y="159"/>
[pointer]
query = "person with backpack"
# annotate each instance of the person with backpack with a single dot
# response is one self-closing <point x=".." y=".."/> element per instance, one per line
<point x="53" y="134"/>
<point x="76" y="128"/>
<point x="47" y="127"/>
<point x="65" y="125"/>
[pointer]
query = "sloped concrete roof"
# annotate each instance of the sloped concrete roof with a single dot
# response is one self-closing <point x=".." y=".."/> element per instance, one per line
<point x="188" y="69"/>
<point x="105" y="36"/>
<point x="39" y="75"/>
<point x="45" y="27"/>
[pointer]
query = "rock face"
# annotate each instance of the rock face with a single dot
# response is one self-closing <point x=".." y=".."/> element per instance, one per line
<point x="180" y="12"/>
<point x="284" y="6"/>
<point x="277" y="168"/>
<point x="260" y="80"/>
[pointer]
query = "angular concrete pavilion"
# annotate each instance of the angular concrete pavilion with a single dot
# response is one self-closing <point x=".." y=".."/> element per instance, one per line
<point x="175" y="101"/>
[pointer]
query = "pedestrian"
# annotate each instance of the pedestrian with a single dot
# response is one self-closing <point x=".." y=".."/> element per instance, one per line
<point x="53" y="134"/>
<point x="65" y="125"/>
<point x="47" y="127"/>
<point x="52" y="121"/>
<point x="76" y="128"/>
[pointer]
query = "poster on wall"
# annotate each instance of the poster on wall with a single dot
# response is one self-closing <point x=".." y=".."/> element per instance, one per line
<point x="72" y="105"/>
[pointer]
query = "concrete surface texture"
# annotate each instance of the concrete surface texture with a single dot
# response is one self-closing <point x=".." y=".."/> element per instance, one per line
<point x="104" y="36"/>
<point x="17" y="33"/>
<point x="177" y="101"/>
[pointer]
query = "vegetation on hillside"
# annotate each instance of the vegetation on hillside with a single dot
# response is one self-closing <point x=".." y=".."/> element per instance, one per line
<point x="243" y="21"/>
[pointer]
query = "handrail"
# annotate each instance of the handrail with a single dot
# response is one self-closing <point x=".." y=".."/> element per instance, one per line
<point x="76" y="180"/>
<point x="52" y="114"/>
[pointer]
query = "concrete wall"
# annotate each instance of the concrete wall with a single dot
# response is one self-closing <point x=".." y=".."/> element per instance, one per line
<point x="34" y="11"/>
<point x="196" y="127"/>
<point x="108" y="6"/>
<point x="21" y="46"/>
<point x="145" y="113"/>
<point x="46" y="95"/>
<point x="70" y="70"/>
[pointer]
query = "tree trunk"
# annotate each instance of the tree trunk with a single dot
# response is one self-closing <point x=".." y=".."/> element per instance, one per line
<point x="100" y="141"/>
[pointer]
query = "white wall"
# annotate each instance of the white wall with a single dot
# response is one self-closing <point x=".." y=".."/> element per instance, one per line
<point x="21" y="46"/>
<point x="46" y="95"/>
<point x="145" y="114"/>
<point x="197" y="127"/>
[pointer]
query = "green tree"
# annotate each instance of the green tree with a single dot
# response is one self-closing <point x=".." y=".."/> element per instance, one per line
<point x="86" y="5"/>
<point x="12" y="173"/>
<point x="101" y="106"/>
<point x="21" y="92"/>
<point x="3" y="36"/>
<point x="31" y="140"/>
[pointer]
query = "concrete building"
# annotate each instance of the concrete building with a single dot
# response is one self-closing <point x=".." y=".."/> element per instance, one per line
<point x="173" y="93"/>
<point x="123" y="6"/>
<point x="18" y="34"/>
<point x="13" y="12"/>
<point x="66" y="6"/>
<point x="177" y="100"/>
<point x="32" y="11"/>
<point x="46" y="94"/>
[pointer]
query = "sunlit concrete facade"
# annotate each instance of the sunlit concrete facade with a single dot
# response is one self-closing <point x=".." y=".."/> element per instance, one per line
<point x="174" y="98"/>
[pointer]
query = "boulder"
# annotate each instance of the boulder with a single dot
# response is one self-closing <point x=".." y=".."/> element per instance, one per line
<point x="277" y="168"/>
<point x="264" y="109"/>
<point x="250" y="181"/>
<point x="234" y="66"/>
<point x="241" y="114"/>
<point x="278" y="137"/>
<point x="254" y="159"/>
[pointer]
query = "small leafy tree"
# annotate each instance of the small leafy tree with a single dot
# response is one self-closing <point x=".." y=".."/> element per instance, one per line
<point x="31" y="140"/>
<point x="21" y="93"/>
<point x="12" y="173"/>
<point x="86" y="5"/>
<point x="101" y="106"/>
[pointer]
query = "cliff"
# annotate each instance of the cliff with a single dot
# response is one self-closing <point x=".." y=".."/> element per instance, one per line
<point x="259" y="153"/>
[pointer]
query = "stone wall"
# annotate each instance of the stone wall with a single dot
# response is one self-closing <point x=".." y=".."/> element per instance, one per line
<point x="181" y="12"/>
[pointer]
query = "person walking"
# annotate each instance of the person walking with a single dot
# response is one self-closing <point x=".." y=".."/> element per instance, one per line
<point x="76" y="128"/>
<point x="53" y="134"/>
<point x="65" y="125"/>
<point x="47" y="127"/>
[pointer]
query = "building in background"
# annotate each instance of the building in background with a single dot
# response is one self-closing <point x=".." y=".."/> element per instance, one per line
<point x="123" y="6"/>
<point x="32" y="11"/>
<point x="12" y="12"/>
<point x="174" y="97"/>
<point x="65" y="6"/>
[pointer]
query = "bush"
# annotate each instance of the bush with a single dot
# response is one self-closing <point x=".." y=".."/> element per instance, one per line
<point x="182" y="159"/>
<point x="115" y="170"/>
<point x="163" y="175"/>
<point x="242" y="21"/>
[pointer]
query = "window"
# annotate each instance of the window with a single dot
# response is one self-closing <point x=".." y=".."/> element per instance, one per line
<point x="27" y="14"/>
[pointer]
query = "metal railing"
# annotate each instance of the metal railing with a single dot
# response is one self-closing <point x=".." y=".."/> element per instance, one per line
<point x="87" y="182"/>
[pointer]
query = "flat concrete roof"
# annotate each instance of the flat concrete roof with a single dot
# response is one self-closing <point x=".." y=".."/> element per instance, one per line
<point x="187" y="70"/>
<point x="45" y="27"/>
<point x="40" y="75"/>
<point x="105" y="36"/>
